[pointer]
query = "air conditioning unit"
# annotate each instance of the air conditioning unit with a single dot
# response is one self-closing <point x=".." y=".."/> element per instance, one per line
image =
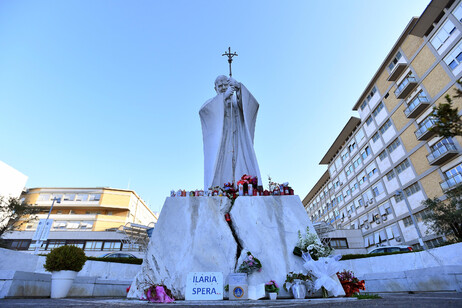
<point x="377" y="221"/>
<point x="367" y="204"/>
<point x="371" y="201"/>
<point x="366" y="227"/>
<point x="349" y="215"/>
<point x="384" y="217"/>
<point x="398" y="239"/>
<point x="341" y="183"/>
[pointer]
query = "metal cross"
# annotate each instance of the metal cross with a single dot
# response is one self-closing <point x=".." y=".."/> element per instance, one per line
<point x="230" y="59"/>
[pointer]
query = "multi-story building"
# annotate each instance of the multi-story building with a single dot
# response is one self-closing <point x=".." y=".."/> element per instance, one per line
<point x="385" y="163"/>
<point x="95" y="219"/>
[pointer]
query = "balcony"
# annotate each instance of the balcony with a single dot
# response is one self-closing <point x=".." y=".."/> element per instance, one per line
<point x="424" y="132"/>
<point x="444" y="152"/>
<point x="416" y="106"/>
<point x="405" y="87"/>
<point x="451" y="182"/>
<point x="397" y="70"/>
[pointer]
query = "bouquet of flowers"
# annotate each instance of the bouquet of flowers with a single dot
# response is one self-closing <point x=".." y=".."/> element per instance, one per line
<point x="250" y="264"/>
<point x="291" y="277"/>
<point x="350" y="283"/>
<point x="249" y="180"/>
<point x="271" y="287"/>
<point x="158" y="293"/>
<point x="229" y="191"/>
<point x="311" y="244"/>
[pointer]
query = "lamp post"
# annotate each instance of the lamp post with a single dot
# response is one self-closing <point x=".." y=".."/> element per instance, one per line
<point x="414" y="221"/>
<point x="39" y="243"/>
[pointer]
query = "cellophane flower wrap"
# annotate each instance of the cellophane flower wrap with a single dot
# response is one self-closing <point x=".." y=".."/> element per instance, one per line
<point x="351" y="285"/>
<point x="325" y="269"/>
<point x="250" y="264"/>
<point x="158" y="293"/>
<point x="310" y="243"/>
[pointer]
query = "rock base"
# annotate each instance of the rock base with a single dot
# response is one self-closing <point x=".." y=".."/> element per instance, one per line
<point x="192" y="235"/>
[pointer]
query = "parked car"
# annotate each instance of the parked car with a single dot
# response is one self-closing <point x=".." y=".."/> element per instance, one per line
<point x="119" y="255"/>
<point x="383" y="249"/>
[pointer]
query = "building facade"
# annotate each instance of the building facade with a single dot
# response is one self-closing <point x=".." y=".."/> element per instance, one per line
<point x="385" y="162"/>
<point x="95" y="219"/>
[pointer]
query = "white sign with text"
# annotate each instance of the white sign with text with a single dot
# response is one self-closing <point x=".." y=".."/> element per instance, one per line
<point x="204" y="286"/>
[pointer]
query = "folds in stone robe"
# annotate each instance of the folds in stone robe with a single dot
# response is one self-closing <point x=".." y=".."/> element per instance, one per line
<point x="221" y="129"/>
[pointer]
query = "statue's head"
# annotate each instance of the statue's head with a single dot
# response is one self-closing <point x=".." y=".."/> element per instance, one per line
<point x="221" y="84"/>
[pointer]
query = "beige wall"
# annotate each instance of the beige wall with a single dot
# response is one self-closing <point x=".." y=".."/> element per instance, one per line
<point x="431" y="185"/>
<point x="399" y="119"/>
<point x="411" y="44"/>
<point x="423" y="61"/>
<point x="409" y="139"/>
<point x="391" y="101"/>
<point x="104" y="222"/>
<point x="115" y="198"/>
<point x="420" y="161"/>
<point x="436" y="80"/>
<point x="382" y="82"/>
<point x="456" y="102"/>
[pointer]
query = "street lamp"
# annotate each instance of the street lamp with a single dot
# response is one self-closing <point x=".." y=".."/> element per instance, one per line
<point x="39" y="242"/>
<point x="403" y="195"/>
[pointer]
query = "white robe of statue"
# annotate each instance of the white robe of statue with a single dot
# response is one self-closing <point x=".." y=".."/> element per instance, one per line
<point x="218" y="127"/>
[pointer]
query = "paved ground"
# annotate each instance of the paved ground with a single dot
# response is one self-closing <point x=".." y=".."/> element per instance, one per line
<point x="420" y="300"/>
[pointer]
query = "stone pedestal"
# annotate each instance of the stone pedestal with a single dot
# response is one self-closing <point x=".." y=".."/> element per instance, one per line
<point x="192" y="236"/>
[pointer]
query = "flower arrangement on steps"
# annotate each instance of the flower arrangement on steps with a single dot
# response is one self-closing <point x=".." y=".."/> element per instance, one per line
<point x="299" y="284"/>
<point x="272" y="288"/>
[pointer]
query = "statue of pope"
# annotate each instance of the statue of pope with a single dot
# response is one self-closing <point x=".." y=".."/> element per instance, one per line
<point x="228" y="126"/>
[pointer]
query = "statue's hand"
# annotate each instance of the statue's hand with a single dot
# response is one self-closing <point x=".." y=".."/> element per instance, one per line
<point x="234" y="83"/>
<point x="229" y="92"/>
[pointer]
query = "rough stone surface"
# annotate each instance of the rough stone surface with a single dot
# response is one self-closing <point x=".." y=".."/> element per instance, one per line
<point x="268" y="228"/>
<point x="193" y="236"/>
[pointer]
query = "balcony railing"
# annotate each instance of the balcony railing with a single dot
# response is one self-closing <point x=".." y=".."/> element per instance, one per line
<point x="405" y="87"/>
<point x="451" y="182"/>
<point x="424" y="132"/>
<point x="397" y="70"/>
<point x="416" y="106"/>
<point x="442" y="154"/>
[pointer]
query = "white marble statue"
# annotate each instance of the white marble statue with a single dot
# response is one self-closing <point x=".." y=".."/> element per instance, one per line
<point x="228" y="126"/>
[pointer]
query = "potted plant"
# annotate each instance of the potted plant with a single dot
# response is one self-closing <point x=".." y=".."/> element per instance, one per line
<point x="64" y="263"/>
<point x="272" y="288"/>
<point x="297" y="283"/>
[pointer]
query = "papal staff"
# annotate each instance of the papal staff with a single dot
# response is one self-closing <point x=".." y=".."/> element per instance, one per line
<point x="230" y="60"/>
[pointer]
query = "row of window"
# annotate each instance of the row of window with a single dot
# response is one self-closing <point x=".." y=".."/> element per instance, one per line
<point x="375" y="113"/>
<point x="88" y="245"/>
<point x="409" y="191"/>
<point x="368" y="98"/>
<point x="70" y="197"/>
<point x="381" y="130"/>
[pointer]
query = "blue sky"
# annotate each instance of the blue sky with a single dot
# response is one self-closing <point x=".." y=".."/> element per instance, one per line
<point x="107" y="93"/>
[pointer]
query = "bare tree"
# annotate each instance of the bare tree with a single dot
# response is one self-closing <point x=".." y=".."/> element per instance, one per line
<point x="14" y="213"/>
